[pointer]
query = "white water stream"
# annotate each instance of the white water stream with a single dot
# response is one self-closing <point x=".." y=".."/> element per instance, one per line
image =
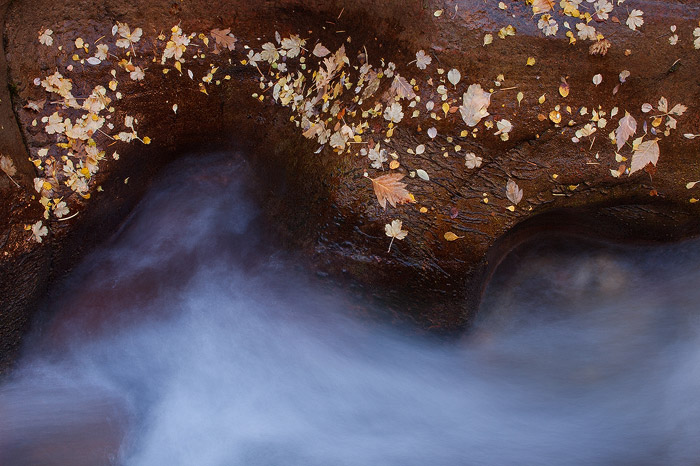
<point x="188" y="340"/>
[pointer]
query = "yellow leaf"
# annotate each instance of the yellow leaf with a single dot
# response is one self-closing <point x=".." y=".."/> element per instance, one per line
<point x="146" y="140"/>
<point x="564" y="88"/>
<point x="449" y="236"/>
<point x="531" y="61"/>
<point x="178" y="66"/>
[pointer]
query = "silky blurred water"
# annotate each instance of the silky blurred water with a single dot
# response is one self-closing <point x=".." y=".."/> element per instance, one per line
<point x="190" y="339"/>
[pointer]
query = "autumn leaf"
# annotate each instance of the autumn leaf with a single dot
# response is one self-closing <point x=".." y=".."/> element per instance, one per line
<point x="224" y="38"/>
<point x="542" y="6"/>
<point x="402" y="88"/>
<point x="293" y="45"/>
<point x="635" y="19"/>
<point x="475" y="104"/>
<point x="646" y="153"/>
<point x="7" y="166"/>
<point x="627" y="127"/>
<point x="39" y="231"/>
<point x="449" y="236"/>
<point x="422" y="59"/>
<point x="390" y="188"/>
<point x="320" y="51"/>
<point x="513" y="192"/>
<point x="36" y="105"/>
<point x="394" y="231"/>
<point x="454" y="76"/>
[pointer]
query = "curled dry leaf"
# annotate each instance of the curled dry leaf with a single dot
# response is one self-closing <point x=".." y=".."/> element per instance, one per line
<point x="390" y="188"/>
<point x="513" y="192"/>
<point x="7" y="166"/>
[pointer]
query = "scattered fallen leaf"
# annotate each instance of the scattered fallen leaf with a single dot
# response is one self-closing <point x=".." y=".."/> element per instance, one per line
<point x="513" y="192"/>
<point x="646" y="153"/>
<point x="449" y="236"/>
<point x="394" y="231"/>
<point x="626" y="128"/>
<point x="390" y="188"/>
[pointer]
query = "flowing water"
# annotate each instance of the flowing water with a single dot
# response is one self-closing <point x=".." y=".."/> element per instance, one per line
<point x="190" y="339"/>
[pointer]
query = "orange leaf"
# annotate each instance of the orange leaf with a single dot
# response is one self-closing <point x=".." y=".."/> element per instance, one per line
<point x="389" y="188"/>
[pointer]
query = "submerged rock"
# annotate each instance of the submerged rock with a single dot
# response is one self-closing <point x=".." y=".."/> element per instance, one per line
<point x="519" y="137"/>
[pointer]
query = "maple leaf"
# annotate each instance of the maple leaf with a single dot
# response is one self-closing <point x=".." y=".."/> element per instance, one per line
<point x="513" y="192"/>
<point x="423" y="60"/>
<point x="548" y="25"/>
<point x="390" y="188"/>
<point x="45" y="37"/>
<point x="377" y="156"/>
<point x="55" y="124"/>
<point x="646" y="153"/>
<point x="293" y="45"/>
<point x="626" y="128"/>
<point x="224" y="38"/>
<point x="394" y="231"/>
<point x="61" y="209"/>
<point x="128" y="38"/>
<point x="402" y="88"/>
<point x="472" y="161"/>
<point x="475" y="104"/>
<point x="269" y="52"/>
<point x="394" y="112"/>
<point x="542" y="6"/>
<point x="38" y="231"/>
<point x="137" y="74"/>
<point x="635" y="19"/>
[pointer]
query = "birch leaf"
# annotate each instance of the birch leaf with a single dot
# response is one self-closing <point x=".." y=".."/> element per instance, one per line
<point x="320" y="51"/>
<point x="422" y="174"/>
<point x="390" y="188"/>
<point x="454" y="76"/>
<point x="646" y="153"/>
<point x="513" y="192"/>
<point x="627" y="127"/>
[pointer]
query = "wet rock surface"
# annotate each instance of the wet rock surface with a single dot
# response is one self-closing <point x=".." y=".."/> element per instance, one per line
<point x="322" y="203"/>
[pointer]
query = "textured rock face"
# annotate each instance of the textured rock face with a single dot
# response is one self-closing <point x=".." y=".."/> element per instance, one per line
<point x="321" y="202"/>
